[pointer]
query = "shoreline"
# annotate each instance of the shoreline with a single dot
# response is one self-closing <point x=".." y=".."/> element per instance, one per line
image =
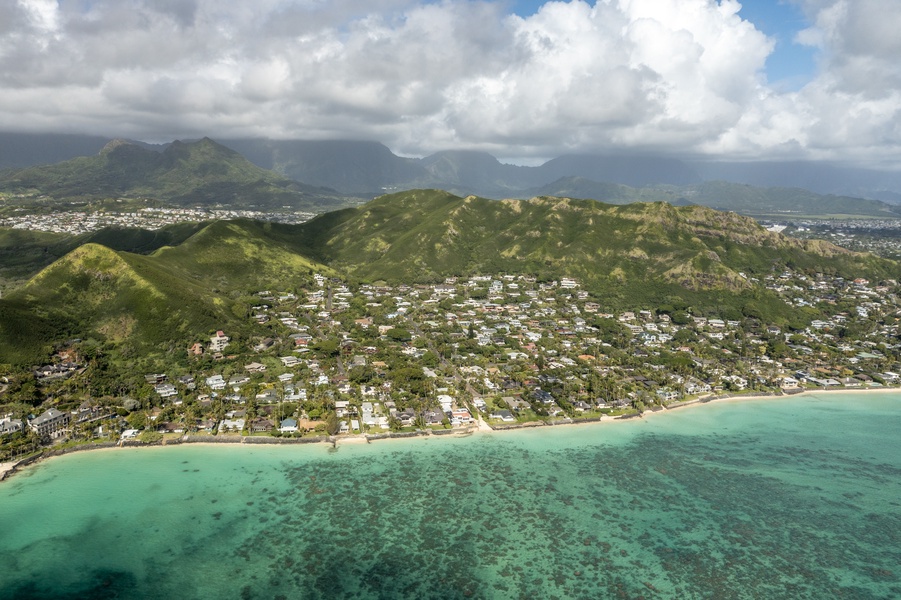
<point x="10" y="468"/>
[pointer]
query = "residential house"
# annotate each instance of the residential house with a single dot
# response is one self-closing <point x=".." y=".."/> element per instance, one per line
<point x="236" y="381"/>
<point x="9" y="425"/>
<point x="289" y="361"/>
<point x="51" y="423"/>
<point x="261" y="425"/>
<point x="503" y="415"/>
<point x="218" y="342"/>
<point x="216" y="382"/>
<point x="231" y="425"/>
<point x="461" y="415"/>
<point x="288" y="426"/>
<point x="267" y="396"/>
<point x="166" y="390"/>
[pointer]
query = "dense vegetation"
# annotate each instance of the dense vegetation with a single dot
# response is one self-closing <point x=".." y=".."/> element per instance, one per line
<point x="628" y="255"/>
<point x="147" y="305"/>
<point x="25" y="252"/>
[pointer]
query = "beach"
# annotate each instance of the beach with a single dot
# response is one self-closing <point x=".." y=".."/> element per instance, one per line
<point x="8" y="469"/>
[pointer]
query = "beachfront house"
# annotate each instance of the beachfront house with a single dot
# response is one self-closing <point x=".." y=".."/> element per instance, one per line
<point x="288" y="426"/>
<point x="51" y="423"/>
<point x="9" y="425"/>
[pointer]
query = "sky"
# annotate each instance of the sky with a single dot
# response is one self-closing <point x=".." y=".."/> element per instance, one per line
<point x="525" y="80"/>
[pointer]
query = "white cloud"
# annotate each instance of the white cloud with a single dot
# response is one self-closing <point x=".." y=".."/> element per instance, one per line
<point x="667" y="75"/>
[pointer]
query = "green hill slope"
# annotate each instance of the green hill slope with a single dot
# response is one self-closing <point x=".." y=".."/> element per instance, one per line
<point x="202" y="172"/>
<point x="238" y="256"/>
<point x="628" y="254"/>
<point x="149" y="304"/>
<point x="123" y="299"/>
<point x="23" y="253"/>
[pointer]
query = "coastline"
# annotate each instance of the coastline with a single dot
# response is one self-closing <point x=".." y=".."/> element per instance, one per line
<point x="10" y="468"/>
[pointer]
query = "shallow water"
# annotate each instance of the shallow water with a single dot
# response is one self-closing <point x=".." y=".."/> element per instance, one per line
<point x="780" y="498"/>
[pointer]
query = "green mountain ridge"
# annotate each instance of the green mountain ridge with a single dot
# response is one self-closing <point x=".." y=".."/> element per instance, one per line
<point x="128" y="300"/>
<point x="150" y="304"/>
<point x="617" y="251"/>
<point x="196" y="173"/>
<point x="23" y="253"/>
<point x="367" y="168"/>
<point x="626" y="256"/>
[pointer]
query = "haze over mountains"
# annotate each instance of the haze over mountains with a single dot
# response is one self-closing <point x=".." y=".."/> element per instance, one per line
<point x="366" y="168"/>
<point x="197" y="173"/>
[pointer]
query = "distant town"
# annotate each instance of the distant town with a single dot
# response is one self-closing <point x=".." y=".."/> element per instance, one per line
<point x="76" y="222"/>
<point x="486" y="351"/>
<point x="879" y="236"/>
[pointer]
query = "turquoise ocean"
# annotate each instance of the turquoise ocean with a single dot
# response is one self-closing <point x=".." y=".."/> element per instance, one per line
<point x="779" y="498"/>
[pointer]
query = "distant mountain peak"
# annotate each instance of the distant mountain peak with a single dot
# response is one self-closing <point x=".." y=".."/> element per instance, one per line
<point x="194" y="172"/>
<point x="179" y="148"/>
<point x="116" y="143"/>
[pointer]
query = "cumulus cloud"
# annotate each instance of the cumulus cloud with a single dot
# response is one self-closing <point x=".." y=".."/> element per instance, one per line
<point x="681" y="76"/>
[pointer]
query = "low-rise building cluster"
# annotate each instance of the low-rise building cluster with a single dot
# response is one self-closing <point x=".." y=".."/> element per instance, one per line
<point x="76" y="222"/>
<point x="335" y="358"/>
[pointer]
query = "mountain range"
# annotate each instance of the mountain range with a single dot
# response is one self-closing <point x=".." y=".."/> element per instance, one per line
<point x="197" y="173"/>
<point x="366" y="169"/>
<point x="147" y="295"/>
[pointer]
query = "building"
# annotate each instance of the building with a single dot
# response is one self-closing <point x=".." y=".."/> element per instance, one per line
<point x="10" y="425"/>
<point x="218" y="342"/>
<point x="216" y="382"/>
<point x="51" y="423"/>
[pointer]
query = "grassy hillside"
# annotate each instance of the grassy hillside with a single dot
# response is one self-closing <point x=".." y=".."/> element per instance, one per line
<point x="149" y="304"/>
<point x="627" y="254"/>
<point x="122" y="299"/>
<point x="23" y="253"/>
<point x="201" y="172"/>
<point x="238" y="255"/>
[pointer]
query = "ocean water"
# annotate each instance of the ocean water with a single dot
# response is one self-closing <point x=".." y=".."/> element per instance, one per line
<point x="781" y="498"/>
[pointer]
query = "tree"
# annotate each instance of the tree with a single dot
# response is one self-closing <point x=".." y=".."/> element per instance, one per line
<point x="23" y="389"/>
<point x="326" y="347"/>
<point x="190" y="418"/>
<point x="429" y="359"/>
<point x="361" y="374"/>
<point x="394" y="423"/>
<point x="149" y="437"/>
<point x="399" y="334"/>
<point x="680" y="317"/>
<point x="136" y="420"/>
<point x="332" y="425"/>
